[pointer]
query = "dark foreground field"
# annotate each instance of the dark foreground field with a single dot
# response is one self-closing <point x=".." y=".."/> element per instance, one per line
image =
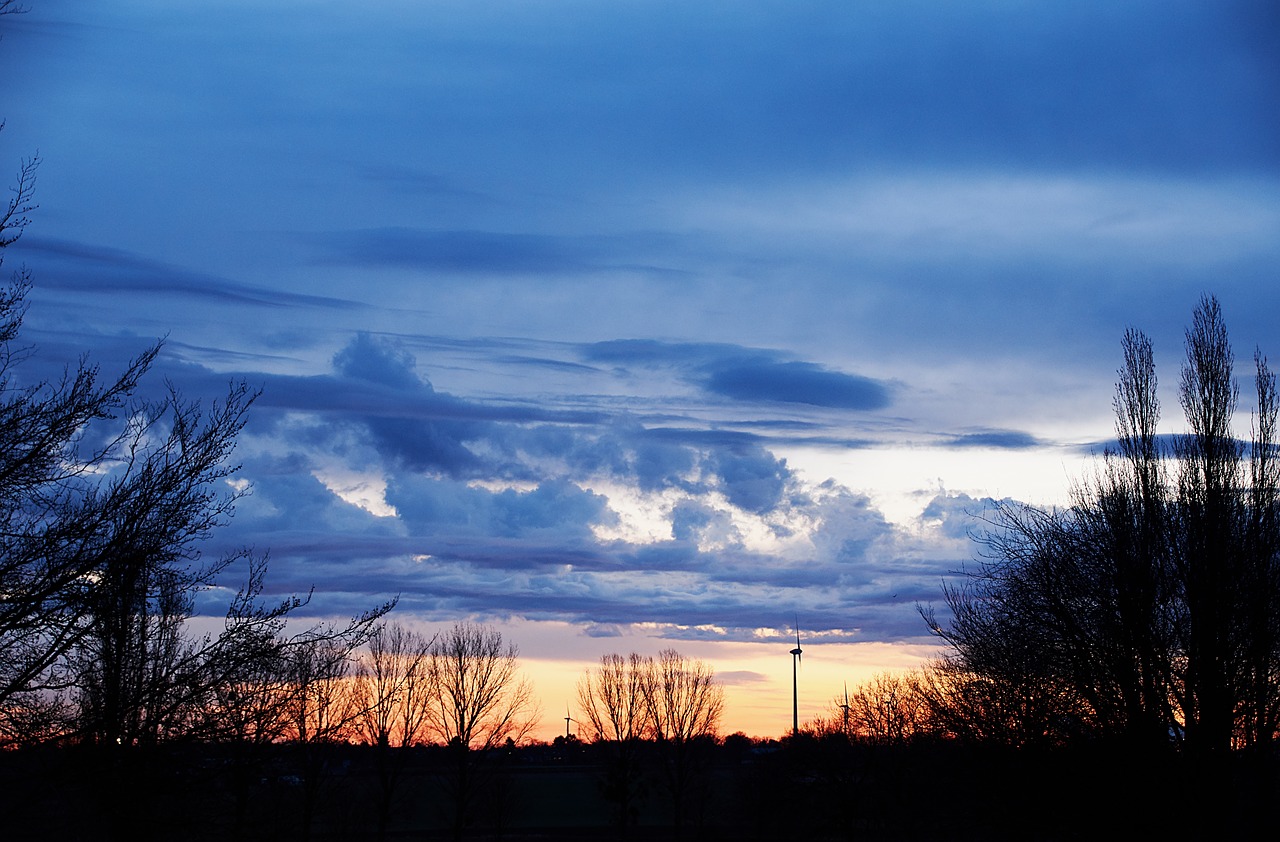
<point x="802" y="790"/>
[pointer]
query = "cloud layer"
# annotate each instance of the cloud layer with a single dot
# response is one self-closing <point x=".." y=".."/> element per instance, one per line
<point x="635" y="314"/>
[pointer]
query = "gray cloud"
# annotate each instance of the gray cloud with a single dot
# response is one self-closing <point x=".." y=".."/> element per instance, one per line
<point x="748" y="374"/>
<point x="797" y="382"/>
<point x="74" y="266"/>
<point x="754" y="481"/>
<point x="1000" y="439"/>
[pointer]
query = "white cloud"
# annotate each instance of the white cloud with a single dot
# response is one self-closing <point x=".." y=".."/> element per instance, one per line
<point x="365" y="490"/>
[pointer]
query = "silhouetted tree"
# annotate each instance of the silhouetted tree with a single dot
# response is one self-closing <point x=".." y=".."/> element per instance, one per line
<point x="55" y="518"/>
<point x="57" y="515"/>
<point x="1147" y="611"/>
<point x="685" y="703"/>
<point x="247" y="707"/>
<point x="888" y="709"/>
<point x="323" y="707"/>
<point x="614" y="702"/>
<point x="138" y="674"/>
<point x="393" y="692"/>
<point x="479" y="701"/>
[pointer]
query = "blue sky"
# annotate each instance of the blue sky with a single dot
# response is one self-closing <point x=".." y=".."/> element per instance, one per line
<point x="638" y="322"/>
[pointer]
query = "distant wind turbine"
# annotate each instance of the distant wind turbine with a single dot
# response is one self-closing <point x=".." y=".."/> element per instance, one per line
<point x="567" y="720"/>
<point x="795" y="682"/>
<point x="845" y="708"/>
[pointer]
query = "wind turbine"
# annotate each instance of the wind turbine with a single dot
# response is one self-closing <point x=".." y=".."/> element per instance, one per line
<point x="567" y="720"/>
<point x="845" y="708"/>
<point x="795" y="683"/>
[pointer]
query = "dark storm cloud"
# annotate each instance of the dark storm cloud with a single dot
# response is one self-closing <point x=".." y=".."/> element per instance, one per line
<point x="658" y="464"/>
<point x="408" y="420"/>
<point x="377" y="387"/>
<point x="691" y="519"/>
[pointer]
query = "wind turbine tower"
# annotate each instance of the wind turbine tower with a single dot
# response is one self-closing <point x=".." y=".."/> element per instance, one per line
<point x="795" y="684"/>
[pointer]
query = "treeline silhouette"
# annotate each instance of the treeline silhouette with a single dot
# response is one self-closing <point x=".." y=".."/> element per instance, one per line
<point x="1141" y="621"/>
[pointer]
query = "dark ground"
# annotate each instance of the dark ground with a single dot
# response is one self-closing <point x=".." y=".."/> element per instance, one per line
<point x="801" y="790"/>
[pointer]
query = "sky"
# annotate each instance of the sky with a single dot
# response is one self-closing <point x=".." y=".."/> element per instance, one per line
<point x="633" y="325"/>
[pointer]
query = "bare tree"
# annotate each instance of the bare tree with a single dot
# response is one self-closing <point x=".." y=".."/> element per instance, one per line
<point x="393" y="683"/>
<point x="54" y="517"/>
<point x="247" y="702"/>
<point x="1260" y="660"/>
<point x="479" y="698"/>
<point x="479" y="701"/>
<point x="890" y="708"/>
<point x="320" y="710"/>
<point x="137" y="671"/>
<point x="685" y="700"/>
<point x="613" y="698"/>
<point x="685" y="703"/>
<point x="614" y="702"/>
<point x="393" y="691"/>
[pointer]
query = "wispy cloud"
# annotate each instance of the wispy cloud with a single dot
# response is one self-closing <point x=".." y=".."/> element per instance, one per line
<point x="91" y="268"/>
<point x="1004" y="439"/>
<point x="748" y="374"/>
